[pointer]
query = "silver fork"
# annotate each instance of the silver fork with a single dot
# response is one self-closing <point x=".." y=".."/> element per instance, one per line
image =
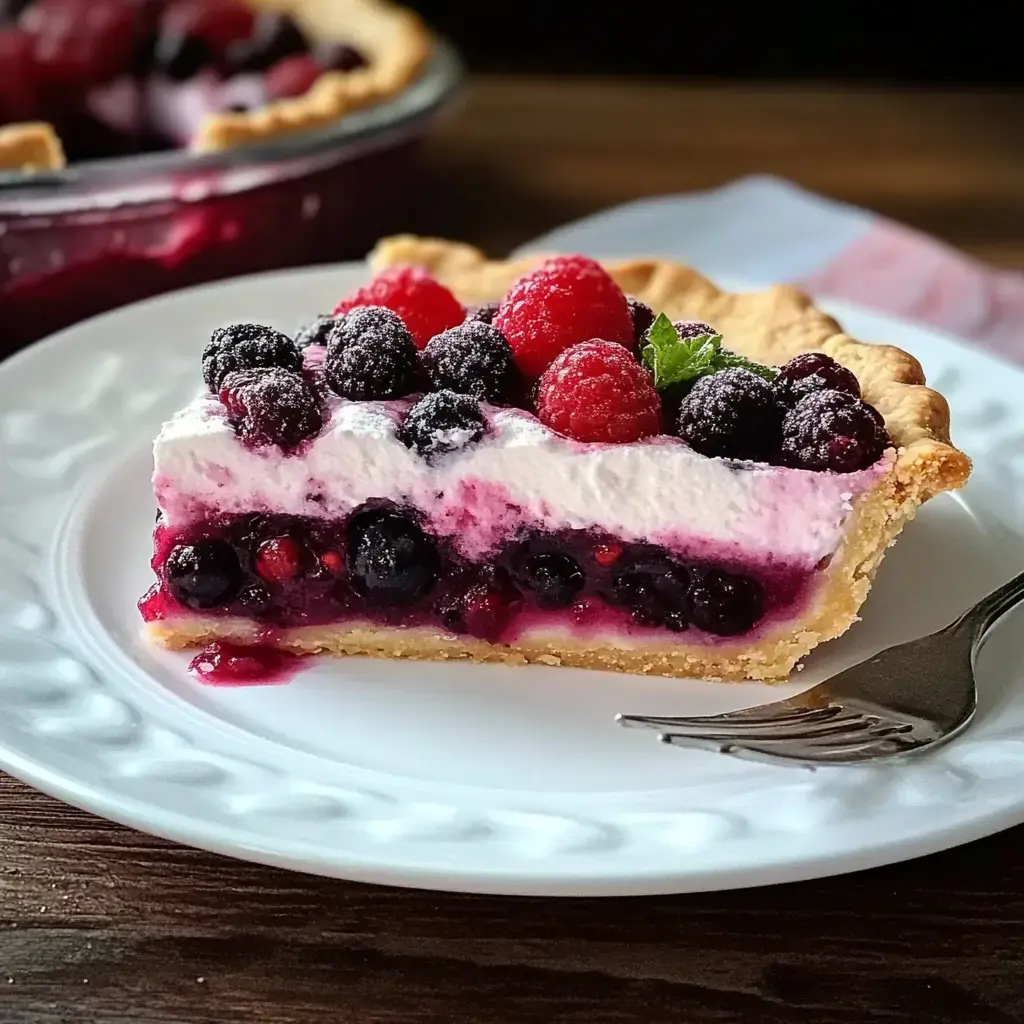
<point x="905" y="699"/>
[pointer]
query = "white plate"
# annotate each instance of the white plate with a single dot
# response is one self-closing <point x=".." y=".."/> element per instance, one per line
<point x="450" y="776"/>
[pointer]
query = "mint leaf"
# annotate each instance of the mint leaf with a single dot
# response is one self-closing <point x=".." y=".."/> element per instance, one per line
<point x="727" y="359"/>
<point x="672" y="359"/>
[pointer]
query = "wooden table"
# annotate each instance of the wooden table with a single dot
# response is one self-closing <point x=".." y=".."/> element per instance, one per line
<point x="100" y="924"/>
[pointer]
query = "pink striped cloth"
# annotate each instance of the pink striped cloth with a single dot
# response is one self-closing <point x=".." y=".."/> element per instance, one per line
<point x="762" y="229"/>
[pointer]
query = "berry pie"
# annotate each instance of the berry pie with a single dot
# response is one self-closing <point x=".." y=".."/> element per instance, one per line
<point x="544" y="460"/>
<point x="88" y="79"/>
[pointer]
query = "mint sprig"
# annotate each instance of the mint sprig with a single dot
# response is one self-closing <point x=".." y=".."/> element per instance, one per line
<point x="672" y="359"/>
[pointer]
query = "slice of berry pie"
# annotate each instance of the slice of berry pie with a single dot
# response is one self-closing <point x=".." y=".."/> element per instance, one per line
<point x="88" y="79"/>
<point x="549" y="461"/>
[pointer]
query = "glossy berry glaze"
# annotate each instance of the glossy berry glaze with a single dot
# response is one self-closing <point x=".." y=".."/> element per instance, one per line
<point x="224" y="663"/>
<point x="378" y="565"/>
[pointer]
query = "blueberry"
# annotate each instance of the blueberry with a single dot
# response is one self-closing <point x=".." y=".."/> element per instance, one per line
<point x="731" y="414"/>
<point x="657" y="597"/>
<point x="809" y="372"/>
<point x="316" y="332"/>
<point x="643" y="317"/>
<point x="555" y="579"/>
<point x="271" y="406"/>
<point x="392" y="561"/>
<point x="246" y="347"/>
<point x="725" y="604"/>
<point x="274" y="37"/>
<point x="442" y="422"/>
<point x="473" y="358"/>
<point x="255" y="599"/>
<point x="180" y="56"/>
<point x="204" y="574"/>
<point x="370" y="355"/>
<point x="833" y="430"/>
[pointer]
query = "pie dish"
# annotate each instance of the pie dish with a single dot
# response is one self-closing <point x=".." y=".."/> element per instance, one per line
<point x="550" y="473"/>
<point x="113" y="78"/>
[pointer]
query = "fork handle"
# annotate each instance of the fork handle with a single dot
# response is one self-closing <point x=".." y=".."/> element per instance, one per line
<point x="990" y="609"/>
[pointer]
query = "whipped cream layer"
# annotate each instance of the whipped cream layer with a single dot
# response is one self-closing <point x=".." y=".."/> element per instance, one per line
<point x="521" y="474"/>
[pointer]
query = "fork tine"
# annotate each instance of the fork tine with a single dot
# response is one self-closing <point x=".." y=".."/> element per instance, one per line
<point x="845" y="735"/>
<point x="764" y="714"/>
<point x="848" y="725"/>
<point x="846" y="751"/>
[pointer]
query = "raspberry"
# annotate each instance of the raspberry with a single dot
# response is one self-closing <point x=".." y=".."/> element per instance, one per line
<point x="370" y="355"/>
<point x="474" y="359"/>
<point x="293" y="76"/>
<point x="809" y="372"/>
<point x="642" y="316"/>
<point x="425" y="306"/>
<point x="316" y="332"/>
<point x="279" y="559"/>
<point x="485" y="611"/>
<point x="80" y="44"/>
<point x="204" y="574"/>
<point x="724" y="603"/>
<point x="393" y="562"/>
<point x="833" y="430"/>
<point x="485" y="312"/>
<point x="443" y="422"/>
<point x="19" y="97"/>
<point x="607" y="554"/>
<point x="597" y="391"/>
<point x="271" y="406"/>
<point x="246" y="347"/>
<point x="218" y="23"/>
<point x="568" y="299"/>
<point x="731" y="414"/>
<point x="339" y="57"/>
<point x="332" y="562"/>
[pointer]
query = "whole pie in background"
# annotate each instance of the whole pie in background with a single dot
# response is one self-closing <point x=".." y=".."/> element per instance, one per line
<point x="93" y="79"/>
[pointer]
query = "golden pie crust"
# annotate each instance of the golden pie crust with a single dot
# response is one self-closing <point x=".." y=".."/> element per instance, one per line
<point x="394" y="39"/>
<point x="30" y="147"/>
<point x="769" y="326"/>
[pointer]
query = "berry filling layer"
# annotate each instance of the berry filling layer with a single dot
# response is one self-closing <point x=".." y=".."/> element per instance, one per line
<point x="380" y="565"/>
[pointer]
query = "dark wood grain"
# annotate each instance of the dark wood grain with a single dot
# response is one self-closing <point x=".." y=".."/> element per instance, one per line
<point x="102" y="925"/>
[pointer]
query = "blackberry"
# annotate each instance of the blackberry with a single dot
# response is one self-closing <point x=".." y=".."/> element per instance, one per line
<point x="483" y="313"/>
<point x="316" y="332"/>
<point x="692" y="328"/>
<point x="474" y="359"/>
<point x="246" y="347"/>
<point x="810" y="372"/>
<point x="731" y="414"/>
<point x="655" y="598"/>
<point x="643" y="317"/>
<point x="833" y="430"/>
<point x="555" y="579"/>
<point x="724" y="603"/>
<point x="392" y="561"/>
<point x="204" y="574"/>
<point x="271" y="406"/>
<point x="370" y="355"/>
<point x="443" y="422"/>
